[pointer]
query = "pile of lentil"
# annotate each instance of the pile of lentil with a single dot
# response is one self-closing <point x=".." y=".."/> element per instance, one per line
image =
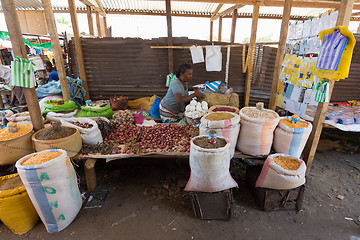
<point x="290" y="124"/>
<point x="11" y="183"/>
<point x="219" y="116"/>
<point x="41" y="158"/>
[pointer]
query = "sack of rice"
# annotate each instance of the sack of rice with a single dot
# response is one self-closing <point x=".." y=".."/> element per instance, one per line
<point x="257" y="129"/>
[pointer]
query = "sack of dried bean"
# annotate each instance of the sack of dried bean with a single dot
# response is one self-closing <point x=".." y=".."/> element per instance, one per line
<point x="89" y="130"/>
<point x="51" y="182"/>
<point x="281" y="171"/>
<point x="209" y="165"/>
<point x="257" y="129"/>
<point x="225" y="124"/>
<point x="290" y="137"/>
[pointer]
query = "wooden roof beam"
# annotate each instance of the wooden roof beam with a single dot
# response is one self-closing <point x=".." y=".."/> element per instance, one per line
<point x="100" y="6"/>
<point x="216" y="10"/>
<point x="95" y="8"/>
<point x="226" y="12"/>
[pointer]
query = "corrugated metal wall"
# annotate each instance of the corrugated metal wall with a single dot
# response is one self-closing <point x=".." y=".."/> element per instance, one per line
<point x="131" y="68"/>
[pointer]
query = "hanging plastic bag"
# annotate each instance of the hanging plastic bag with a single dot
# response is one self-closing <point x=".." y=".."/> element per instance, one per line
<point x="213" y="58"/>
<point x="197" y="54"/>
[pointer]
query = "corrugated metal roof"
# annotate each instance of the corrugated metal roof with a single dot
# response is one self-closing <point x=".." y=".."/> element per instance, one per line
<point x="178" y="7"/>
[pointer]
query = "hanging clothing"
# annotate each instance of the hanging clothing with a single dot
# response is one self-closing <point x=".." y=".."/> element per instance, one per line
<point x="332" y="49"/>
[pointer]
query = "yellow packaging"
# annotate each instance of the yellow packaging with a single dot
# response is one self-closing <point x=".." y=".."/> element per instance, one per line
<point x="145" y="103"/>
<point x="16" y="210"/>
<point x="344" y="65"/>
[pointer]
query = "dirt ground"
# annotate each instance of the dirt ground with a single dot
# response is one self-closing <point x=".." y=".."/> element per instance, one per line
<point x="146" y="201"/>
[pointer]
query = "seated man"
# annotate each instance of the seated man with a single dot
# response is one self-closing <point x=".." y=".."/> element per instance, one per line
<point x="53" y="75"/>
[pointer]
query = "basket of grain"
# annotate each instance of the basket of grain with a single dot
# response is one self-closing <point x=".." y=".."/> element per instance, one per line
<point x="59" y="137"/>
<point x="16" y="210"/>
<point x="257" y="129"/>
<point x="14" y="145"/>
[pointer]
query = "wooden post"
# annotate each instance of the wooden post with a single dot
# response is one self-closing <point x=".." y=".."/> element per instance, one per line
<point x="56" y="48"/>
<point x="358" y="30"/>
<point x="211" y="30"/>
<point x="233" y="26"/>
<point x="220" y="29"/>
<point x="280" y="53"/>
<point x="105" y="27"/>
<point x="78" y="47"/>
<point x="90" y="20"/>
<point x="170" y="39"/>
<point x="98" y="24"/>
<point x="90" y="173"/>
<point x="251" y="51"/>
<point x="311" y="146"/>
<point x="13" y="26"/>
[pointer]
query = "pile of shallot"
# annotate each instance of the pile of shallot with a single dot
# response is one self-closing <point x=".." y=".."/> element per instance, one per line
<point x="124" y="133"/>
<point x="165" y="138"/>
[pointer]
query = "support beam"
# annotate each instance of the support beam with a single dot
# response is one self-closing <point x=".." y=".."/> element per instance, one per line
<point x="90" y="174"/>
<point x="90" y="20"/>
<point x="233" y="26"/>
<point x="78" y="47"/>
<point x="358" y="30"/>
<point x="211" y="30"/>
<point x="251" y="52"/>
<point x="105" y="27"/>
<point x="220" y="28"/>
<point x="95" y="8"/>
<point x="170" y="38"/>
<point x="56" y="48"/>
<point x="98" y="25"/>
<point x="13" y="26"/>
<point x="311" y="145"/>
<point x="227" y="11"/>
<point x="101" y="7"/>
<point x="280" y="53"/>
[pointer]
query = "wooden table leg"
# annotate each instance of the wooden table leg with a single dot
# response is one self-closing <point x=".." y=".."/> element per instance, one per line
<point x="90" y="173"/>
<point x="1" y="102"/>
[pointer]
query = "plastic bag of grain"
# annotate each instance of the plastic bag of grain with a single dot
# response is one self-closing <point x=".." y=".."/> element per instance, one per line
<point x="290" y="136"/>
<point x="257" y="130"/>
<point x="16" y="210"/>
<point x="225" y="124"/>
<point x="51" y="182"/>
<point x="281" y="172"/>
<point x="210" y="165"/>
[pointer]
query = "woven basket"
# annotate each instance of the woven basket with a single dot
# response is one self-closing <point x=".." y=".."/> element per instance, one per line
<point x="71" y="144"/>
<point x="14" y="149"/>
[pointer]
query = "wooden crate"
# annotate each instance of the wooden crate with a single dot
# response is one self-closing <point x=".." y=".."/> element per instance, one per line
<point x="212" y="206"/>
<point x="271" y="199"/>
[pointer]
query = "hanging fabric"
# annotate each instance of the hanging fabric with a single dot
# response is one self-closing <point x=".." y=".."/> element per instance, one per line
<point x="227" y="65"/>
<point x="22" y="73"/>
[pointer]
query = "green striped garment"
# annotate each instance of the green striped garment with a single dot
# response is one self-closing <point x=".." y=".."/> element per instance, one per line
<point x="22" y="73"/>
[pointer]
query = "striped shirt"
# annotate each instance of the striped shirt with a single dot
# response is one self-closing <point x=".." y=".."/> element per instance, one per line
<point x="331" y="51"/>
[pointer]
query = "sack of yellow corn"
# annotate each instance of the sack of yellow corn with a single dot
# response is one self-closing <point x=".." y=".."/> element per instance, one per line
<point x="16" y="209"/>
<point x="50" y="179"/>
<point x="281" y="171"/>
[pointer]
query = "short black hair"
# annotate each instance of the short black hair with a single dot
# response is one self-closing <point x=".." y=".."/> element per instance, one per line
<point x="182" y="69"/>
<point x="48" y="63"/>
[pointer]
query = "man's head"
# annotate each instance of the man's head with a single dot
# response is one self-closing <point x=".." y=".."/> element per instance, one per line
<point x="49" y="66"/>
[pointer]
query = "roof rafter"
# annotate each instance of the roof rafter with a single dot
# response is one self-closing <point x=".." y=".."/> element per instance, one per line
<point x="217" y="9"/>
<point x="90" y="4"/>
<point x="226" y="12"/>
